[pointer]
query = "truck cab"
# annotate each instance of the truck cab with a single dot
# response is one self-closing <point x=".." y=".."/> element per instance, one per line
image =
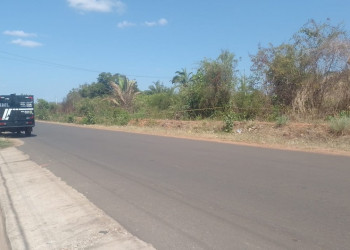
<point x="17" y="113"/>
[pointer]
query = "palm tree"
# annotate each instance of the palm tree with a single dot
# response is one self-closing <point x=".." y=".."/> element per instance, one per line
<point x="157" y="88"/>
<point x="123" y="95"/>
<point x="182" y="77"/>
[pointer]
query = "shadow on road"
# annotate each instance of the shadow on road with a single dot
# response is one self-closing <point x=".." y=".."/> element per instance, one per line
<point x="15" y="135"/>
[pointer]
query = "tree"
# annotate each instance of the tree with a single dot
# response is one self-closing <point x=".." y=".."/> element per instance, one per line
<point x="182" y="78"/>
<point x="123" y="95"/>
<point x="327" y="49"/>
<point x="93" y="90"/>
<point x="211" y="87"/>
<point x="158" y="88"/>
<point x="250" y="102"/>
<point x="105" y="78"/>
<point x="103" y="86"/>
<point x="42" y="109"/>
<point x="282" y="70"/>
<point x="218" y="80"/>
<point x="311" y="72"/>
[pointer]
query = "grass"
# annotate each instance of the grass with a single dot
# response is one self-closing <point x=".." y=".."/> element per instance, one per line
<point x="4" y="143"/>
<point x="340" y="126"/>
<point x="282" y="121"/>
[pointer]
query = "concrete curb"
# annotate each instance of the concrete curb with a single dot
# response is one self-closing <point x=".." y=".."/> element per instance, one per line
<point x="43" y="212"/>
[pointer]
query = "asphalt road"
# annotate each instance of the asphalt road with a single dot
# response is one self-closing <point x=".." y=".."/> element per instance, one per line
<point x="186" y="194"/>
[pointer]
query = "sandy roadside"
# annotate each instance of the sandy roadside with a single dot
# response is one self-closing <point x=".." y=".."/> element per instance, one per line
<point x="42" y="212"/>
<point x="4" y="241"/>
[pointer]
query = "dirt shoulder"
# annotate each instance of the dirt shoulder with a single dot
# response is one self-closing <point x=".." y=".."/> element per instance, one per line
<point x="310" y="137"/>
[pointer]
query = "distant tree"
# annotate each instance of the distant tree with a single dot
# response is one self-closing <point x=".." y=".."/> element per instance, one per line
<point x="216" y="81"/>
<point x="123" y="95"/>
<point x="183" y="78"/>
<point x="158" y="87"/>
<point x="42" y="109"/>
<point x="249" y="102"/>
<point x="219" y="79"/>
<point x="102" y="87"/>
<point x="124" y="83"/>
<point x="282" y="68"/>
<point x="211" y="87"/>
<point x="311" y="72"/>
<point x="105" y="78"/>
<point x="68" y="104"/>
<point x="93" y="90"/>
<point x="42" y="104"/>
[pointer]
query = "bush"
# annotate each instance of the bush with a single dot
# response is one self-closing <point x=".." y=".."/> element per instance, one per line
<point x="120" y="117"/>
<point x="282" y="120"/>
<point x="251" y="104"/>
<point x="70" y="119"/>
<point x="89" y="118"/>
<point x="229" y="119"/>
<point x="42" y="108"/>
<point x="340" y="126"/>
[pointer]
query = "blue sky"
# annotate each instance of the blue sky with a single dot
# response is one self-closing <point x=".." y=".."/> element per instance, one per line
<point x="48" y="47"/>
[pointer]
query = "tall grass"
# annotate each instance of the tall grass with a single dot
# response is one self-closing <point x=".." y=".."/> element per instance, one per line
<point x="340" y="126"/>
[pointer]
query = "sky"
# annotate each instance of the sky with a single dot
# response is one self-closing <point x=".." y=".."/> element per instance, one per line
<point x="49" y="47"/>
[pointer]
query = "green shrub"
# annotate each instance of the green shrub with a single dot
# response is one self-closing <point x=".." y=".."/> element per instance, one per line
<point x="42" y="109"/>
<point x="70" y="119"/>
<point x="251" y="104"/>
<point x="282" y="120"/>
<point x="121" y="117"/>
<point x="229" y="119"/>
<point x="89" y="118"/>
<point x="344" y="113"/>
<point x="42" y="115"/>
<point x="340" y="126"/>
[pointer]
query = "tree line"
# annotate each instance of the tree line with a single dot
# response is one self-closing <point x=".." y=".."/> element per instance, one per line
<point x="309" y="75"/>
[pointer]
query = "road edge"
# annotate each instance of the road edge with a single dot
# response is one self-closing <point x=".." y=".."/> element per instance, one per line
<point x="39" y="211"/>
<point x="281" y="147"/>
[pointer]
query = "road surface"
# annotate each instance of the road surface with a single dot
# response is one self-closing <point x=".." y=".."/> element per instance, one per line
<point x="187" y="194"/>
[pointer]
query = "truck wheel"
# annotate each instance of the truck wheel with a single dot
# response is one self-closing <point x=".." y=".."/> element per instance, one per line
<point x="28" y="132"/>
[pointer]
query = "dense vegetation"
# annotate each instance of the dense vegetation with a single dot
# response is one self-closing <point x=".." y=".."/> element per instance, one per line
<point x="307" y="77"/>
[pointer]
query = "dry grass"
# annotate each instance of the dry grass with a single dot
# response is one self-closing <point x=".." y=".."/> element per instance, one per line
<point x="298" y="136"/>
<point x="4" y="143"/>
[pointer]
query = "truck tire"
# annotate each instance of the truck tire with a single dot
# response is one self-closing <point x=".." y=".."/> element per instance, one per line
<point x="28" y="132"/>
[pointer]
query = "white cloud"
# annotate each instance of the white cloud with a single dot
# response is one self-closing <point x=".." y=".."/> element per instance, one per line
<point x="125" y="24"/>
<point x="26" y="43"/>
<point x="18" y="33"/>
<point x="160" y="22"/>
<point x="150" y="24"/>
<point x="98" y="5"/>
